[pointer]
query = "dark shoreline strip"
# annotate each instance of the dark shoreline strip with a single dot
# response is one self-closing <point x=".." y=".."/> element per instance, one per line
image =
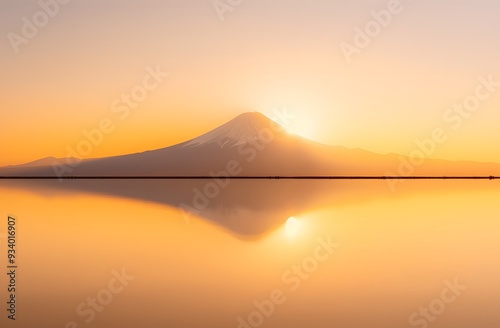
<point x="303" y="177"/>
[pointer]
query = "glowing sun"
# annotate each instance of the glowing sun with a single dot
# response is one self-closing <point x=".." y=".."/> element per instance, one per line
<point x="292" y="226"/>
<point x="303" y="127"/>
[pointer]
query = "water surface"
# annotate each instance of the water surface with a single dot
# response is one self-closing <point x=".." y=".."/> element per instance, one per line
<point x="394" y="253"/>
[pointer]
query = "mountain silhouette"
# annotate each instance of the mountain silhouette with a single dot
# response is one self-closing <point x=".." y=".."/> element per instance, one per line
<point x="250" y="145"/>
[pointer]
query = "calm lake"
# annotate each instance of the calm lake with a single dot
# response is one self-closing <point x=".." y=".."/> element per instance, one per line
<point x="226" y="253"/>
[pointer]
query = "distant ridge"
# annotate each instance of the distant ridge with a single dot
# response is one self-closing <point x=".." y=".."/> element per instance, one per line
<point x="46" y="162"/>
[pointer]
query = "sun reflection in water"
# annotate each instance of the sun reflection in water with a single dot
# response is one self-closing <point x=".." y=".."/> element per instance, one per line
<point x="292" y="227"/>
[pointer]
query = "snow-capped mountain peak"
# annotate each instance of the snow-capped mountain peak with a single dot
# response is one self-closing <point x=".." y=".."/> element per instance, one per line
<point x="240" y="130"/>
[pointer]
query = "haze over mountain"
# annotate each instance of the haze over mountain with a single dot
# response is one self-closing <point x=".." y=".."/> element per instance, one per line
<point x="250" y="145"/>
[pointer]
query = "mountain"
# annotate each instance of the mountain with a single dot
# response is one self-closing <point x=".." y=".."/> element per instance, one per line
<point x="47" y="161"/>
<point x="250" y="145"/>
<point x="236" y="132"/>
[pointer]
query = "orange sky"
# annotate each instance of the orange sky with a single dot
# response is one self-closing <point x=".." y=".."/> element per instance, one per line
<point x="265" y="55"/>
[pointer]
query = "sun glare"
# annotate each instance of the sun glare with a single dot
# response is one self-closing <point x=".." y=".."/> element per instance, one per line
<point x="301" y="127"/>
<point x="295" y="123"/>
<point x="292" y="226"/>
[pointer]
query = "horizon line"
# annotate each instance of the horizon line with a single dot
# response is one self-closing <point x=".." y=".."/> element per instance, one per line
<point x="262" y="177"/>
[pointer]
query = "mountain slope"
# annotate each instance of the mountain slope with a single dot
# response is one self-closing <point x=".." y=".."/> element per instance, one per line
<point x="253" y="145"/>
